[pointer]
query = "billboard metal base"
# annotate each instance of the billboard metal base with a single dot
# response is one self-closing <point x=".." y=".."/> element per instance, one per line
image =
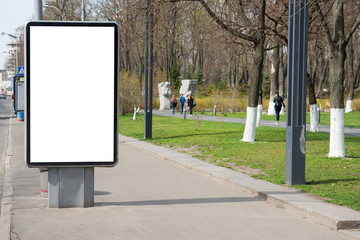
<point x="71" y="187"/>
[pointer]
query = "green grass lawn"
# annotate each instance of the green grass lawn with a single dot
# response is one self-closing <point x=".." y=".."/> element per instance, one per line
<point x="336" y="180"/>
<point x="351" y="119"/>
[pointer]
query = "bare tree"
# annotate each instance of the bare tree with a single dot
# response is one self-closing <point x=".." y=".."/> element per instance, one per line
<point x="336" y="42"/>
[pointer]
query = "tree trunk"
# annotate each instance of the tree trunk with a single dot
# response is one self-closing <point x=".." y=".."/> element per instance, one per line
<point x="229" y="78"/>
<point x="250" y="125"/>
<point x="324" y="75"/>
<point x="260" y="107"/>
<point x="351" y="80"/>
<point x="357" y="77"/>
<point x="274" y="79"/>
<point x="251" y="113"/>
<point x="336" y="64"/>
<point x="141" y="67"/>
<point x="337" y="76"/>
<point x="311" y="90"/>
<point x="283" y="62"/>
<point x="257" y="75"/>
<point x="314" y="121"/>
<point x="235" y="71"/>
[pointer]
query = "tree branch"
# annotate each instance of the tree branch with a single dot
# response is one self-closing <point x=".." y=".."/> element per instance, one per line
<point x="323" y="24"/>
<point x="220" y="21"/>
<point x="271" y="48"/>
<point x="352" y="30"/>
<point x="279" y="35"/>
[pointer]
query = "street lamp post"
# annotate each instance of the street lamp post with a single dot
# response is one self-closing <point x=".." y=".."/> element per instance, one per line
<point x="48" y="5"/>
<point x="296" y="92"/>
<point x="14" y="64"/>
<point x="16" y="43"/>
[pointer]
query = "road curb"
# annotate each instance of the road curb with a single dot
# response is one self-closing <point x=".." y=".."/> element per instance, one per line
<point x="296" y="202"/>
<point x="7" y="197"/>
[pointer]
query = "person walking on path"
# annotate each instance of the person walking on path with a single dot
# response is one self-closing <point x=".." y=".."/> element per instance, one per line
<point x="173" y="103"/>
<point x="279" y="102"/>
<point x="191" y="103"/>
<point x="182" y="101"/>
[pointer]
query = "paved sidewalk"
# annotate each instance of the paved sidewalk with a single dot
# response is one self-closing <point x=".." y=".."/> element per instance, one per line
<point x="322" y="128"/>
<point x="156" y="193"/>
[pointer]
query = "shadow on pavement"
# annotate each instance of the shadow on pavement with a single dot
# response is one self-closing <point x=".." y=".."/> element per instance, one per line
<point x="7" y="118"/>
<point x="101" y="193"/>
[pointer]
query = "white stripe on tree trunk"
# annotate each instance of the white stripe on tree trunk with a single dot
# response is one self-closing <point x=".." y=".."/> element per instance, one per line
<point x="314" y="124"/>
<point x="349" y="104"/>
<point x="337" y="145"/>
<point x="271" y="110"/>
<point x="258" y="115"/>
<point x="249" y="132"/>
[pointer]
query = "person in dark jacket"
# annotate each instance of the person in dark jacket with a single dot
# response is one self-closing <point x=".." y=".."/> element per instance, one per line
<point x="279" y="102"/>
<point x="190" y="103"/>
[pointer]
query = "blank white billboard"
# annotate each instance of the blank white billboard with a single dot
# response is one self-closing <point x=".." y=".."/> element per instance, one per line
<point x="71" y="93"/>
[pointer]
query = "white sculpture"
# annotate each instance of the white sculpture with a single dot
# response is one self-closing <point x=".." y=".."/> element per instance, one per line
<point x="164" y="95"/>
<point x="188" y="86"/>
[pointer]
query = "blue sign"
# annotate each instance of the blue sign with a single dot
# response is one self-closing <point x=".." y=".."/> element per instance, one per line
<point x="21" y="71"/>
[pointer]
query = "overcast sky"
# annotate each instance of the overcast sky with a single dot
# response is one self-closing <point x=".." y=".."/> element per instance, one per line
<point x="13" y="14"/>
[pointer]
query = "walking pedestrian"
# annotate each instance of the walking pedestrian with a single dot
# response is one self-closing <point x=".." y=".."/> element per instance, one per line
<point x="182" y="101"/>
<point x="173" y="103"/>
<point x="191" y="103"/>
<point x="279" y="102"/>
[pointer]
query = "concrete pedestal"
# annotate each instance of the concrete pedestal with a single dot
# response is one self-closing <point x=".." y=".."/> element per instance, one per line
<point x="71" y="187"/>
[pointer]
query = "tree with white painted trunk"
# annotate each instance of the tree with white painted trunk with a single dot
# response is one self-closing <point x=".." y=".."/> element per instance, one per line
<point x="274" y="78"/>
<point x="251" y="28"/>
<point x="283" y="66"/>
<point x="352" y="78"/>
<point x="277" y="14"/>
<point x="251" y="112"/>
<point x="336" y="43"/>
<point x="259" y="107"/>
<point x="314" y="123"/>
<point x="316" y="60"/>
<point x="136" y="110"/>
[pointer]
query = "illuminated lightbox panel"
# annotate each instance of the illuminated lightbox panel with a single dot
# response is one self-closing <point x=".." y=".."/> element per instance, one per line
<point x="71" y="94"/>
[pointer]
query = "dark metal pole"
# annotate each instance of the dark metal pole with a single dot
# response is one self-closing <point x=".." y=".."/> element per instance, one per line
<point x="146" y="117"/>
<point x="149" y="126"/>
<point x="296" y="92"/>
